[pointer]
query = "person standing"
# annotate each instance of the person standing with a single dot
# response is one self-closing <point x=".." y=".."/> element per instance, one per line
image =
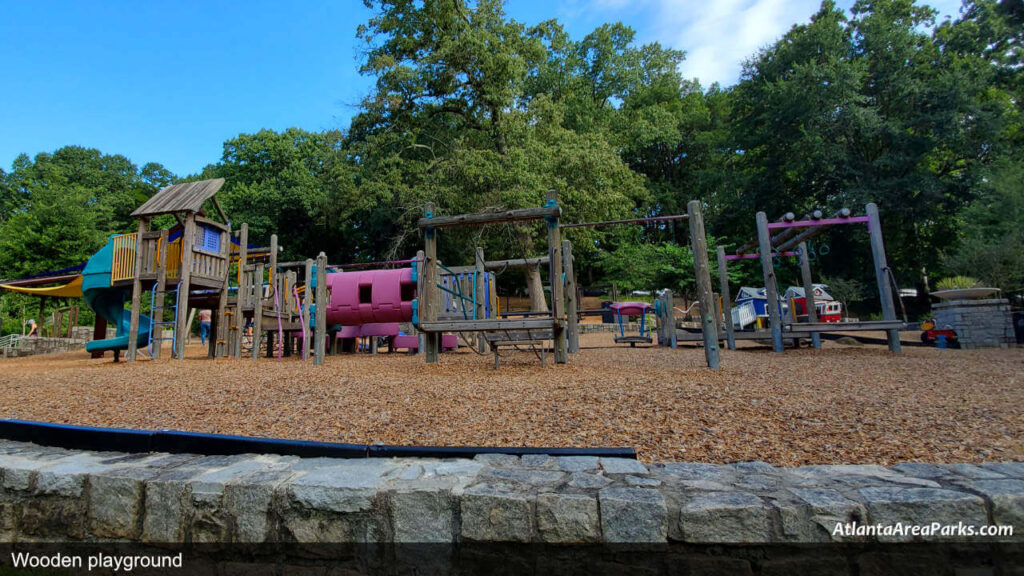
<point x="33" y="327"/>
<point x="204" y="325"/>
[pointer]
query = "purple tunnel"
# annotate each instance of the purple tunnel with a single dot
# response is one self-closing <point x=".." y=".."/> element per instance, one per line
<point x="371" y="297"/>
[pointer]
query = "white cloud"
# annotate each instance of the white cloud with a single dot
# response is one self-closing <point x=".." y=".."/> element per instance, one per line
<point x="717" y="35"/>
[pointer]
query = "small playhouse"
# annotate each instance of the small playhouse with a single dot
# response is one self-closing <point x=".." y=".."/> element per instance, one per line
<point x="829" y="310"/>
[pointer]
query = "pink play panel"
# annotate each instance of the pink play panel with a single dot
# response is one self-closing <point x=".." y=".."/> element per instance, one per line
<point x="371" y="296"/>
<point x="631" y="308"/>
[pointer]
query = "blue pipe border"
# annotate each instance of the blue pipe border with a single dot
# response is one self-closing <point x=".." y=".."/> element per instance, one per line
<point x="177" y="442"/>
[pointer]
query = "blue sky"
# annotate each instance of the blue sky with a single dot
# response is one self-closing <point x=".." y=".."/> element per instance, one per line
<point x="170" y="82"/>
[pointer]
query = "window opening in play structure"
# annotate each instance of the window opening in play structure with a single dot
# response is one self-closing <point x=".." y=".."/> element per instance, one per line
<point x="208" y="239"/>
<point x="408" y="292"/>
<point x="366" y="293"/>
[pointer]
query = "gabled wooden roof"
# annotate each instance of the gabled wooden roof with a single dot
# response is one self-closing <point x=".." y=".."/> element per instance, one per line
<point x="187" y="197"/>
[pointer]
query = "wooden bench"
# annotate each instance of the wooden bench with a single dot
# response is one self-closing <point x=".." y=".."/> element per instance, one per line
<point x="515" y="338"/>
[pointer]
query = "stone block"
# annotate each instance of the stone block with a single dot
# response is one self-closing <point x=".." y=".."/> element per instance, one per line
<point x="425" y="515"/>
<point x="725" y="517"/>
<point x="525" y="476"/>
<point x="578" y="463"/>
<point x="813" y="516"/>
<point x="496" y="513"/>
<point x="568" y="518"/>
<point x="588" y="481"/>
<point x="889" y="506"/>
<point x="347" y="488"/>
<point x="1007" y="498"/>
<point x="115" y="506"/>
<point x="622" y="466"/>
<point x="633" y="515"/>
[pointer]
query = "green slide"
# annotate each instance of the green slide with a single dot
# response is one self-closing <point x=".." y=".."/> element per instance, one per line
<point x="108" y="302"/>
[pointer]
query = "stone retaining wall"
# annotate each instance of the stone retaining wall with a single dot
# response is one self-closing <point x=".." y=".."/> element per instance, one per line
<point x="978" y="323"/>
<point x="52" y="493"/>
<point x="35" y="345"/>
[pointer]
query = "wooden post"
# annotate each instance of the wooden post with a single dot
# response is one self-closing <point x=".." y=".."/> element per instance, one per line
<point x="480" y="296"/>
<point x="220" y="335"/>
<point x="243" y="291"/>
<point x="321" y="309"/>
<point x="557" y="282"/>
<point x="133" y="322"/>
<point x="182" y="327"/>
<point x="698" y="244"/>
<point x="882" y="274"/>
<point x="157" y="313"/>
<point x="421" y="349"/>
<point x="257" y="312"/>
<point x="809" y="302"/>
<point x="670" y="312"/>
<point x="723" y="281"/>
<point x="428" y="297"/>
<point x="571" y="295"/>
<point x="764" y="239"/>
<point x="272" y="275"/>
<point x="307" y="334"/>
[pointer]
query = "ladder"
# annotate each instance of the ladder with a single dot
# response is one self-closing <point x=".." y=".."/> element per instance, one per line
<point x="157" y="306"/>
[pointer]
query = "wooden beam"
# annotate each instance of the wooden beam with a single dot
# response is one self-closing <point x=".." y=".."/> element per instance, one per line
<point x="489" y="325"/>
<point x="428" y="298"/>
<point x="422" y="349"/>
<point x="723" y="286"/>
<point x="479" y="219"/>
<point x="220" y="211"/>
<point x="882" y="273"/>
<point x="809" y="303"/>
<point x="557" y="281"/>
<point x="501" y="265"/>
<point x="571" y="298"/>
<point x="481" y="294"/>
<point x="160" y="289"/>
<point x="698" y="244"/>
<point x="771" y="288"/>
<point x="320" y="336"/>
<point x="182" y="327"/>
<point x="243" y="289"/>
<point x="133" y="322"/>
<point x="307" y="298"/>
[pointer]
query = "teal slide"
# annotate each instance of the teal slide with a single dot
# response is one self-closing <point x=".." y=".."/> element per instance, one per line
<point x="108" y="303"/>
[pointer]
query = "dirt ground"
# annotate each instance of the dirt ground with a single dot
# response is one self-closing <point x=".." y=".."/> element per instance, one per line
<point x="844" y="404"/>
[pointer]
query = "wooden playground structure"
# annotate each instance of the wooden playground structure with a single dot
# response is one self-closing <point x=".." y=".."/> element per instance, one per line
<point x="785" y="238"/>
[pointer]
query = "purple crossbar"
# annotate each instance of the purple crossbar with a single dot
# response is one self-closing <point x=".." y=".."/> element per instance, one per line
<point x="822" y="222"/>
<point x="756" y="255"/>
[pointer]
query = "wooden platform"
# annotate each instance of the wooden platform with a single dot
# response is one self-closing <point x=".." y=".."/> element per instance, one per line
<point x="487" y="325"/>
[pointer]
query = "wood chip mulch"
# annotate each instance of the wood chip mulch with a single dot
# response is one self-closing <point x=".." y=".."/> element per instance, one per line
<point x="844" y="404"/>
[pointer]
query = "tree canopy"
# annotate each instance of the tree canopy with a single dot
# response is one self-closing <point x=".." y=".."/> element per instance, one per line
<point x="473" y="111"/>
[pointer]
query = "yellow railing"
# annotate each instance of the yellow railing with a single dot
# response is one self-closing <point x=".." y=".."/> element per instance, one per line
<point x="174" y="259"/>
<point x="123" y="265"/>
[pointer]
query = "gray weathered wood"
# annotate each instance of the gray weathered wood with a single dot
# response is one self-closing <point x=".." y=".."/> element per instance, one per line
<point x="557" y="282"/>
<point x="698" y="244"/>
<point x="428" y="305"/>
<point x="321" y="303"/>
<point x="490" y="217"/>
<point x="238" y="319"/>
<point x="185" y="197"/>
<point x="419" y="294"/>
<point x="133" y="322"/>
<point x="882" y="274"/>
<point x="157" y="314"/>
<point x="571" y="298"/>
<point x="771" y="288"/>
<point x="257" y="312"/>
<point x="490" y="325"/>
<point x="184" y="284"/>
<point x="307" y="298"/>
<point x="481" y="294"/>
<point x="723" y="286"/>
<point x="809" y="303"/>
<point x="499" y="265"/>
